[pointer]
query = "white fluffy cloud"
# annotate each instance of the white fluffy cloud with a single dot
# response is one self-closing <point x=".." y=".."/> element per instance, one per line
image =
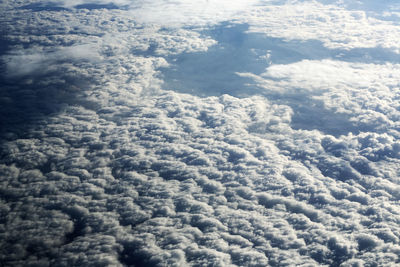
<point x="31" y="62"/>
<point x="362" y="93"/>
<point x="121" y="172"/>
<point x="334" y="26"/>
<point x="190" y="13"/>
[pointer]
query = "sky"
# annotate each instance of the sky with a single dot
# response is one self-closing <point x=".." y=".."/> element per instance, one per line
<point x="199" y="133"/>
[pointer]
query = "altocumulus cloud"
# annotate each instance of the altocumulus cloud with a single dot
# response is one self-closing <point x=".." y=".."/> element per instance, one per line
<point x="100" y="166"/>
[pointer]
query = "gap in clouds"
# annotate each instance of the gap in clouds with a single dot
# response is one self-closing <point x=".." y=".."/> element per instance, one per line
<point x="214" y="73"/>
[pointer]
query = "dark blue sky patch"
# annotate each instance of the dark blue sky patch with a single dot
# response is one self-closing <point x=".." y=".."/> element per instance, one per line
<point x="310" y="114"/>
<point x="213" y="73"/>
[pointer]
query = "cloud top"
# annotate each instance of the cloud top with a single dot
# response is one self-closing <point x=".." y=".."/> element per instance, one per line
<point x="301" y="169"/>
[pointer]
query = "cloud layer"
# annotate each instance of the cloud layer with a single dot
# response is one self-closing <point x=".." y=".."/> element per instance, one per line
<point x="118" y="171"/>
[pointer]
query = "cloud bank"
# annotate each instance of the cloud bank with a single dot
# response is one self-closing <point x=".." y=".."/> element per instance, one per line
<point x="301" y="170"/>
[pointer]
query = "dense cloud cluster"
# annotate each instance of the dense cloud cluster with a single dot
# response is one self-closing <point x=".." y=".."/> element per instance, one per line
<point x="101" y="166"/>
<point x="334" y="26"/>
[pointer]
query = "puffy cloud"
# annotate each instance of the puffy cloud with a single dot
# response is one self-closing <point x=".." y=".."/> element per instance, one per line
<point x="122" y="172"/>
<point x="334" y="26"/>
<point x="185" y="12"/>
<point x="341" y="92"/>
<point x="33" y="63"/>
<point x="167" y="13"/>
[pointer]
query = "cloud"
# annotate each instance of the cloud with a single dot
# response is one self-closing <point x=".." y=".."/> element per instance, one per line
<point x="124" y="172"/>
<point x="334" y="26"/>
<point x="145" y="197"/>
<point x="31" y="62"/>
<point x="166" y="13"/>
<point x="324" y="74"/>
<point x="185" y="12"/>
<point x="339" y="91"/>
